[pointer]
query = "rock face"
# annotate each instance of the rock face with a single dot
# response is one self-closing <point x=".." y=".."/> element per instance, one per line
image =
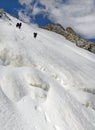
<point x="72" y="36"/>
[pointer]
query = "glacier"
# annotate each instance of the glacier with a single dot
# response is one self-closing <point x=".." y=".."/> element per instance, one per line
<point x="47" y="83"/>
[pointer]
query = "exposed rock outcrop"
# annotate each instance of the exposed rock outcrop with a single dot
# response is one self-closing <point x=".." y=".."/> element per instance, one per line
<point x="4" y="15"/>
<point x="72" y="36"/>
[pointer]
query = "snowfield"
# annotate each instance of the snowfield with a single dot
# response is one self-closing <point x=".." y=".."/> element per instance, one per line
<point x="47" y="83"/>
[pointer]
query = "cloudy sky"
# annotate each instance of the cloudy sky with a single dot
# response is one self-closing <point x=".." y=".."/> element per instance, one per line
<point x="79" y="14"/>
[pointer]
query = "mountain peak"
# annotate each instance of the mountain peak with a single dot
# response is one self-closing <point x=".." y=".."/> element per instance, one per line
<point x="70" y="30"/>
<point x="72" y="36"/>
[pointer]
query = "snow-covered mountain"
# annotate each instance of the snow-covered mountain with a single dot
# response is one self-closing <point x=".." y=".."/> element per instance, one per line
<point x="46" y="83"/>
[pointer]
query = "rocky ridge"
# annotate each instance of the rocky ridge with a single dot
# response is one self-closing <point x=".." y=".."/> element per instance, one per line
<point x="4" y="15"/>
<point x="72" y="36"/>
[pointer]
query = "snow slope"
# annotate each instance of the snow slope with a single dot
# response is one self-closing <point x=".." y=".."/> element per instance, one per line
<point x="46" y="83"/>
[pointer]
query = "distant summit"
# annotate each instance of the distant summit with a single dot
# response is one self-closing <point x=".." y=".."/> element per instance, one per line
<point x="72" y="36"/>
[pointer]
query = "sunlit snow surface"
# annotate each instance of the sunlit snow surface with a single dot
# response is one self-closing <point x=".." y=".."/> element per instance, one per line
<point x="46" y="83"/>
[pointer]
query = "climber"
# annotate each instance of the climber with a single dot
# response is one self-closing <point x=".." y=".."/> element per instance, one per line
<point x="19" y="25"/>
<point x="35" y="35"/>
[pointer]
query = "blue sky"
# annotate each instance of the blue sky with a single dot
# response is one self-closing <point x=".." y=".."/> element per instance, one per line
<point x="78" y="14"/>
<point x="12" y="7"/>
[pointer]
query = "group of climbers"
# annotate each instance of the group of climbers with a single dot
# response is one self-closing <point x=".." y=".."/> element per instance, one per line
<point x="19" y="26"/>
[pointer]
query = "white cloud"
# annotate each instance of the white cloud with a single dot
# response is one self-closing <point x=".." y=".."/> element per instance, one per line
<point x="78" y="14"/>
<point x="26" y="2"/>
<point x="24" y="17"/>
